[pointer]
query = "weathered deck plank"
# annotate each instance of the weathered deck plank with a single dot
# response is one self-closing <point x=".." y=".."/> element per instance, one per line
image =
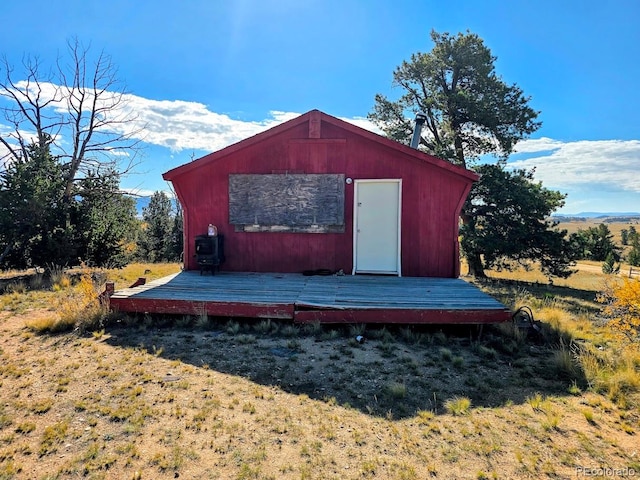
<point x="337" y="299"/>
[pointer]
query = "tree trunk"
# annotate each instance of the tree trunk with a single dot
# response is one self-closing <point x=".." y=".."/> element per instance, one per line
<point x="476" y="268"/>
<point x="474" y="260"/>
<point x="457" y="143"/>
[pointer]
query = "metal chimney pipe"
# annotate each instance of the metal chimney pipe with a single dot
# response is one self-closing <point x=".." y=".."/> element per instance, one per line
<point x="417" y="130"/>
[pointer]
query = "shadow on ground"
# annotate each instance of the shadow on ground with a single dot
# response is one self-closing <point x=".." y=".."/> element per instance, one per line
<point x="393" y="373"/>
<point x="573" y="299"/>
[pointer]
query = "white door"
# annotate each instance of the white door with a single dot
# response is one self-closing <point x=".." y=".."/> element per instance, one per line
<point x="377" y="226"/>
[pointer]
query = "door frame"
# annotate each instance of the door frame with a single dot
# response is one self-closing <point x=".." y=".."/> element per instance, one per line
<point x="356" y="184"/>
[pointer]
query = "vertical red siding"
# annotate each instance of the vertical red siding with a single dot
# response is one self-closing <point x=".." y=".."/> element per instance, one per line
<point x="431" y="198"/>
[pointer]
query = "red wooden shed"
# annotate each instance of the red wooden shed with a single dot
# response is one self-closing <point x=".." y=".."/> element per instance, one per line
<point x="317" y="192"/>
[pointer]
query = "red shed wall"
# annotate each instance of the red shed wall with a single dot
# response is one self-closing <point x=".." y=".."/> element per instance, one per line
<point x="431" y="198"/>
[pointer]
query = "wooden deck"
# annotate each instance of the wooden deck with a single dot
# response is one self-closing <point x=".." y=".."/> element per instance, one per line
<point x="330" y="299"/>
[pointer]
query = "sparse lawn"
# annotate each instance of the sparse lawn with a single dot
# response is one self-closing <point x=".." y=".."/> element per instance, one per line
<point x="197" y="398"/>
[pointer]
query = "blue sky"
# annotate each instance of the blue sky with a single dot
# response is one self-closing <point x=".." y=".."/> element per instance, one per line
<point x="206" y="73"/>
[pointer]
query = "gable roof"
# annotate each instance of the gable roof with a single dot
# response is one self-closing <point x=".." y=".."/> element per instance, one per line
<point x="316" y="116"/>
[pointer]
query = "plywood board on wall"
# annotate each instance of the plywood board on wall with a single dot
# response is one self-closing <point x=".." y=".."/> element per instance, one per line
<point x="309" y="203"/>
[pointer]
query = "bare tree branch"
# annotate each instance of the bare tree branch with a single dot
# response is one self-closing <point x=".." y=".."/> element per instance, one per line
<point x="79" y="109"/>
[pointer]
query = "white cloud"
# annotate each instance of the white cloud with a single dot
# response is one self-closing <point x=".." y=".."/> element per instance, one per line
<point x="142" y="192"/>
<point x="537" y="145"/>
<point x="363" y="122"/>
<point x="612" y="163"/>
<point x="174" y="124"/>
<point x="179" y="125"/>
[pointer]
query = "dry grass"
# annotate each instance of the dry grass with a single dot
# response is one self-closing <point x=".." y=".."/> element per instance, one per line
<point x="589" y="345"/>
<point x="458" y="406"/>
<point x="210" y="398"/>
<point x="77" y="307"/>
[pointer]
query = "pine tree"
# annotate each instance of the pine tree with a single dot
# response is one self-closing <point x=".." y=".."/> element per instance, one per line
<point x="509" y="222"/>
<point x="38" y="228"/>
<point x="471" y="112"/>
<point x="156" y="238"/>
<point x="633" y="257"/>
<point x="624" y="236"/>
<point x="595" y="243"/>
<point x="609" y="266"/>
<point x="32" y="214"/>
<point x="105" y="221"/>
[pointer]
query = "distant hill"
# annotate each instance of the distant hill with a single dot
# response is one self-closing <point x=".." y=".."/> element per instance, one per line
<point x="604" y="217"/>
<point x="603" y="214"/>
<point x="598" y="214"/>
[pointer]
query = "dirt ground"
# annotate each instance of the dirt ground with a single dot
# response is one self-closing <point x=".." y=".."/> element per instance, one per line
<point x="199" y="398"/>
<point x="330" y="363"/>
